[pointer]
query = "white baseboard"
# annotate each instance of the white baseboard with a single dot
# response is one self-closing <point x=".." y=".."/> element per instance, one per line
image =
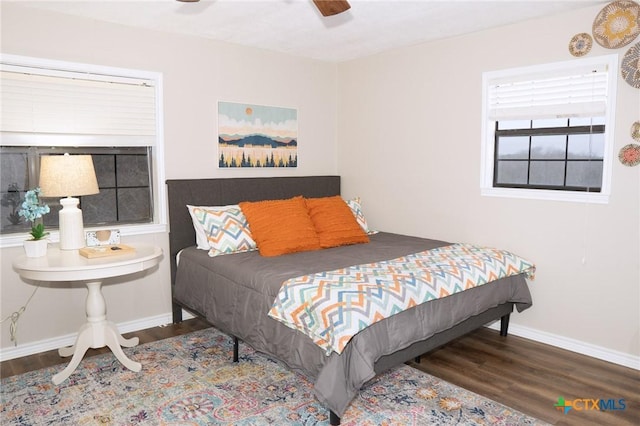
<point x="573" y="345"/>
<point x="69" y="339"/>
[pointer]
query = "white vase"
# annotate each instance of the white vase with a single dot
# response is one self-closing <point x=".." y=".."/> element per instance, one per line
<point x="35" y="248"/>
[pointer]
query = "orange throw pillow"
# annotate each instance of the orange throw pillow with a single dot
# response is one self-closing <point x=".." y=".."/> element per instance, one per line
<point x="334" y="222"/>
<point x="280" y="226"/>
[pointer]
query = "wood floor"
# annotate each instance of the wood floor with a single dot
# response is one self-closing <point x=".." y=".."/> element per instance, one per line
<point x="519" y="373"/>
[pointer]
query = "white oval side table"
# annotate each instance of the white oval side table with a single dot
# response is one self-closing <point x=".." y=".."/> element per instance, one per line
<point x="68" y="265"/>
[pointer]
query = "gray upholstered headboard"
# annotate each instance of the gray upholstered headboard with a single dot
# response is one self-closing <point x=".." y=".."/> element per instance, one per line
<point x="220" y="192"/>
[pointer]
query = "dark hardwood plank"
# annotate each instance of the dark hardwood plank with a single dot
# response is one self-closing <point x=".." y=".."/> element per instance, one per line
<point x="522" y="374"/>
<point x="530" y="376"/>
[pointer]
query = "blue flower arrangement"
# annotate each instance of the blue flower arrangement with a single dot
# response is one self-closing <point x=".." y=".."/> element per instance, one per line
<point x="32" y="210"/>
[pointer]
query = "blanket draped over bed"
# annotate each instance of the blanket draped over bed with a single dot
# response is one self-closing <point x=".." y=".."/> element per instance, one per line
<point x="331" y="307"/>
<point x="235" y="293"/>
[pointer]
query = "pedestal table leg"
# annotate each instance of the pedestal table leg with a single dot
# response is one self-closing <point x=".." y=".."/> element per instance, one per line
<point x="96" y="333"/>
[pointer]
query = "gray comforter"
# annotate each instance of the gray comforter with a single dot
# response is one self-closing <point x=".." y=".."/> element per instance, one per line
<point x="235" y="292"/>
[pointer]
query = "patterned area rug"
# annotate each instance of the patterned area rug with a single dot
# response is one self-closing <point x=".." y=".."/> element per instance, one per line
<point x="190" y="380"/>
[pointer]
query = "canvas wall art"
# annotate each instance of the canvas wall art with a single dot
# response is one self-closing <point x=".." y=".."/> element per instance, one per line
<point x="257" y="136"/>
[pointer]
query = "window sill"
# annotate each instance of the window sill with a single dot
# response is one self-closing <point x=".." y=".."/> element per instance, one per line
<point x="541" y="194"/>
<point x="15" y="240"/>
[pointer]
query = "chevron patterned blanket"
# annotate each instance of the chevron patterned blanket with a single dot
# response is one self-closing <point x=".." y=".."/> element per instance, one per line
<point x="331" y="307"/>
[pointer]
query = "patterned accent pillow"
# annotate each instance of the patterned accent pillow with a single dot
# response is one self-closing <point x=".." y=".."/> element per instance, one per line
<point x="201" y="235"/>
<point x="225" y="229"/>
<point x="356" y="209"/>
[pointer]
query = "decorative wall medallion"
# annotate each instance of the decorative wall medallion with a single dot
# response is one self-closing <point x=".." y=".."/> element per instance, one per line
<point x="630" y="155"/>
<point x="635" y="131"/>
<point x="580" y="44"/>
<point x="630" y="68"/>
<point x="617" y="24"/>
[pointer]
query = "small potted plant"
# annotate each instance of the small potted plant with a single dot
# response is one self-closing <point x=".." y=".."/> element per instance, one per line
<point x="32" y="210"/>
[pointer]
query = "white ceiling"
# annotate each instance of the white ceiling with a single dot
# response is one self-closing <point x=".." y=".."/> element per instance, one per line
<point x="296" y="27"/>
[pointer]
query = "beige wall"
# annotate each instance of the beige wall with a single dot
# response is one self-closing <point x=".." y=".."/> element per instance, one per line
<point x="197" y="74"/>
<point x="408" y="126"/>
<point x="409" y="133"/>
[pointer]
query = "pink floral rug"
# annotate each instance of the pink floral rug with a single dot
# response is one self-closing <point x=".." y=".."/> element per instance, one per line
<point x="190" y="380"/>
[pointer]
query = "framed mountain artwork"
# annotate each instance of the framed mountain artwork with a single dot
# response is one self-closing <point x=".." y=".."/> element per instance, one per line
<point x="257" y="136"/>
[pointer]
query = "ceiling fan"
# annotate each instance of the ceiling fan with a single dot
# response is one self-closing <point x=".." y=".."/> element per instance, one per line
<point x="326" y="7"/>
<point x="332" y="7"/>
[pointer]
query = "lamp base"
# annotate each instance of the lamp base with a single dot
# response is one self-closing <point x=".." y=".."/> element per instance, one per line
<point x="71" y="225"/>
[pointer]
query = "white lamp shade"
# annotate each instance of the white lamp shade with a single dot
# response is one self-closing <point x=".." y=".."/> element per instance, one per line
<point x="67" y="176"/>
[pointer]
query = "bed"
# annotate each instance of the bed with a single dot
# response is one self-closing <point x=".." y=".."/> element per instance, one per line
<point x="235" y="292"/>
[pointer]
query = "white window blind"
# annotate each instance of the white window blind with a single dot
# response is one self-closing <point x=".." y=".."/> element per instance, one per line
<point x="577" y="92"/>
<point x="76" y="109"/>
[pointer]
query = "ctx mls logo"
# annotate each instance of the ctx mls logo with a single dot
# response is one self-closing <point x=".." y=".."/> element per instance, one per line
<point x="588" y="404"/>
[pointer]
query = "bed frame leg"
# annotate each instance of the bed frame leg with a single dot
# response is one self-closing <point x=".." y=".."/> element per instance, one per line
<point x="235" y="349"/>
<point x="333" y="418"/>
<point x="177" y="313"/>
<point x="417" y="359"/>
<point x="504" y="324"/>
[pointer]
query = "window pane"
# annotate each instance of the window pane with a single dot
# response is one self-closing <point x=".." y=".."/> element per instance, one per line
<point x="586" y="146"/>
<point x="132" y="170"/>
<point x="547" y="173"/>
<point x="548" y="147"/>
<point x="100" y="208"/>
<point x="514" y="124"/>
<point x="13" y="185"/>
<point x="51" y="219"/>
<point x="513" y="147"/>
<point x="550" y="122"/>
<point x="105" y="166"/>
<point x="133" y="205"/>
<point x="13" y="170"/>
<point x="586" y="174"/>
<point x="11" y="199"/>
<point x="512" y="172"/>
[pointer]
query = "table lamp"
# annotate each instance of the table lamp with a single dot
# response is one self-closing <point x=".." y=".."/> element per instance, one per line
<point x="68" y="176"/>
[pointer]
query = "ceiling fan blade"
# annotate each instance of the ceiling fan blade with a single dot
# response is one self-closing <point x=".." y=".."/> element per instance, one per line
<point x="332" y="7"/>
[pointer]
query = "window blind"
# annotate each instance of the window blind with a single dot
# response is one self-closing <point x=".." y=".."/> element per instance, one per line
<point x="580" y="92"/>
<point x="76" y="109"/>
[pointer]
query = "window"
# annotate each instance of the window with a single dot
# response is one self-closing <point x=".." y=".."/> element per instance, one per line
<point x="51" y="107"/>
<point x="547" y="130"/>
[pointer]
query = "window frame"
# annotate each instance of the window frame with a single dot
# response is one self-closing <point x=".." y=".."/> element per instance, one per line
<point x="159" y="224"/>
<point x="488" y="144"/>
